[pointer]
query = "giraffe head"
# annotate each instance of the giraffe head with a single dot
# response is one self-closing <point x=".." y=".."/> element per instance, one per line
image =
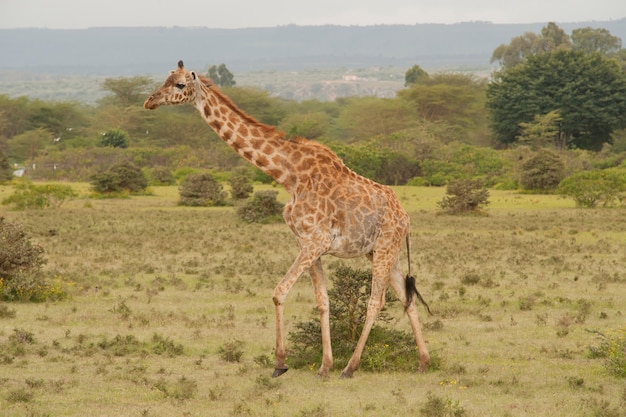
<point x="180" y="87"/>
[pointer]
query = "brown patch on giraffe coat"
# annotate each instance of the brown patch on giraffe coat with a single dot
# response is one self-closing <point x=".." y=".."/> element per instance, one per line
<point x="262" y="161"/>
<point x="228" y="134"/>
<point x="242" y="130"/>
<point x="216" y="124"/>
<point x="207" y="110"/>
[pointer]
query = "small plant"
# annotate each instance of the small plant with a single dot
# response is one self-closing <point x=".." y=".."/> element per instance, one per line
<point x="441" y="407"/>
<point x="6" y="312"/>
<point x="263" y="208"/>
<point x="463" y="196"/>
<point x="201" y="190"/>
<point x="231" y="351"/>
<point x="612" y="348"/>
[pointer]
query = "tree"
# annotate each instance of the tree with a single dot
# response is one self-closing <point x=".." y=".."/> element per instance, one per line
<point x="588" y="90"/>
<point x="414" y="75"/>
<point x="455" y="99"/>
<point x="25" y="146"/>
<point x="221" y="76"/>
<point x="595" y="40"/>
<point x="114" y="138"/>
<point x="6" y="170"/>
<point x="542" y="131"/>
<point x="127" y="91"/>
<point x="552" y="38"/>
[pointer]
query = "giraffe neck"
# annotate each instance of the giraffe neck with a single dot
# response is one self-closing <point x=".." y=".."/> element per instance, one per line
<point x="260" y="144"/>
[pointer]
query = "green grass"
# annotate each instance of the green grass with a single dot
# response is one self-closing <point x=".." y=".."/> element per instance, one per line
<point x="159" y="293"/>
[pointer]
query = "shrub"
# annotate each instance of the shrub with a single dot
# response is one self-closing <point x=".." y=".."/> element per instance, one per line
<point x="387" y="349"/>
<point x="114" y="138"/>
<point x="122" y="177"/>
<point x="464" y="196"/>
<point x="262" y="208"/>
<point x="161" y="175"/>
<point x="17" y="254"/>
<point x="240" y="185"/>
<point x="30" y="196"/>
<point x="612" y="349"/>
<point x="6" y="170"/>
<point x="20" y="268"/>
<point x="201" y="190"/>
<point x="542" y="171"/>
<point x="590" y="188"/>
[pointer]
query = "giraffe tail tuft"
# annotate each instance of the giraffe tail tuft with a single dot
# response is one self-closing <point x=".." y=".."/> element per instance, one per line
<point x="411" y="290"/>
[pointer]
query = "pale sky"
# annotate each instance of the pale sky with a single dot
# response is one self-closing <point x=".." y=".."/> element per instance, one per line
<point x="75" y="14"/>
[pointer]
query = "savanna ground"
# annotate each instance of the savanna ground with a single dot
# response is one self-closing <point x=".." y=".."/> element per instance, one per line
<point x="170" y="314"/>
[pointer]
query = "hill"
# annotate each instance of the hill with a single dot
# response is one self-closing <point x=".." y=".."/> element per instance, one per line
<point x="296" y="62"/>
<point x="130" y="51"/>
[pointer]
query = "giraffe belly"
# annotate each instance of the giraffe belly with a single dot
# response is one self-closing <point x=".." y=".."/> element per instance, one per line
<point x="344" y="246"/>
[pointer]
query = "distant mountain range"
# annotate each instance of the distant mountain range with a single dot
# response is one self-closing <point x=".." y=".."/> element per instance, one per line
<point x="133" y="51"/>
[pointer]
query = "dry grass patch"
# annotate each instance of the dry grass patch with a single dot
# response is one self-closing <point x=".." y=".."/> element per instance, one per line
<point x="158" y="293"/>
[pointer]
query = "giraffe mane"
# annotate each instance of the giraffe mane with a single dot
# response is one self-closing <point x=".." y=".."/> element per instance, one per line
<point x="228" y="102"/>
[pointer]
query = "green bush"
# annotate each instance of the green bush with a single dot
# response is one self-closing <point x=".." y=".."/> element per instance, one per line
<point x="123" y="177"/>
<point x="20" y="268"/>
<point x="161" y="175"/>
<point x="542" y="171"/>
<point x="201" y="190"/>
<point x="114" y="138"/>
<point x="590" y="188"/>
<point x="262" y="208"/>
<point x="464" y="196"/>
<point x="387" y="349"/>
<point x="30" y="196"/>
<point x="240" y="184"/>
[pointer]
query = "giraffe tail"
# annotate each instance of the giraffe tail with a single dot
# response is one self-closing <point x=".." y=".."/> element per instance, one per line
<point x="411" y="290"/>
<point x="409" y="282"/>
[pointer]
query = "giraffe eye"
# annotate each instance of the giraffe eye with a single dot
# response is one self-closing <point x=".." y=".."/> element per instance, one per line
<point x="180" y="86"/>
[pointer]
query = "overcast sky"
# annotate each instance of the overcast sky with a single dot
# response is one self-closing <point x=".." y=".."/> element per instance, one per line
<point x="69" y="14"/>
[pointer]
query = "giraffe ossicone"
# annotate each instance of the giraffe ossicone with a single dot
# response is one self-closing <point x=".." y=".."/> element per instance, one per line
<point x="331" y="211"/>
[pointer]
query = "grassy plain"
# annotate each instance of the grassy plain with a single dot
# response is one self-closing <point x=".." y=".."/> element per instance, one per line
<point x="160" y="293"/>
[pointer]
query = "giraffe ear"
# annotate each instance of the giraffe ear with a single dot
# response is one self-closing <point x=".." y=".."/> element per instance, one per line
<point x="193" y="75"/>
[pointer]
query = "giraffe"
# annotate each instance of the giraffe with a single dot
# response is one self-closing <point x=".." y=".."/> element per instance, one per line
<point x="331" y="210"/>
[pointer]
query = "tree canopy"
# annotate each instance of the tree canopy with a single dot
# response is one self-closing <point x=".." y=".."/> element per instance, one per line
<point x="587" y="89"/>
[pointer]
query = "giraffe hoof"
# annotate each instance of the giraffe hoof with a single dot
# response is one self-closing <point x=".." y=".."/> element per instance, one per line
<point x="345" y="375"/>
<point x="278" y="372"/>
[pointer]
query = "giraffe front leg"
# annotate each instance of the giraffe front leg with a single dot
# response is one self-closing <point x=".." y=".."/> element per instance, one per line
<point x="280" y="367"/>
<point x="323" y="306"/>
<point x="303" y="262"/>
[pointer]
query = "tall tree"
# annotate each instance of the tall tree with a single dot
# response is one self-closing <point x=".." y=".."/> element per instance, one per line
<point x="552" y="38"/>
<point x="592" y="40"/>
<point x="221" y="76"/>
<point x="588" y="90"/>
<point x="413" y="75"/>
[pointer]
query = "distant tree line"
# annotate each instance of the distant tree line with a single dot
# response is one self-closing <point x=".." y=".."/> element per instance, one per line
<point x="565" y="93"/>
